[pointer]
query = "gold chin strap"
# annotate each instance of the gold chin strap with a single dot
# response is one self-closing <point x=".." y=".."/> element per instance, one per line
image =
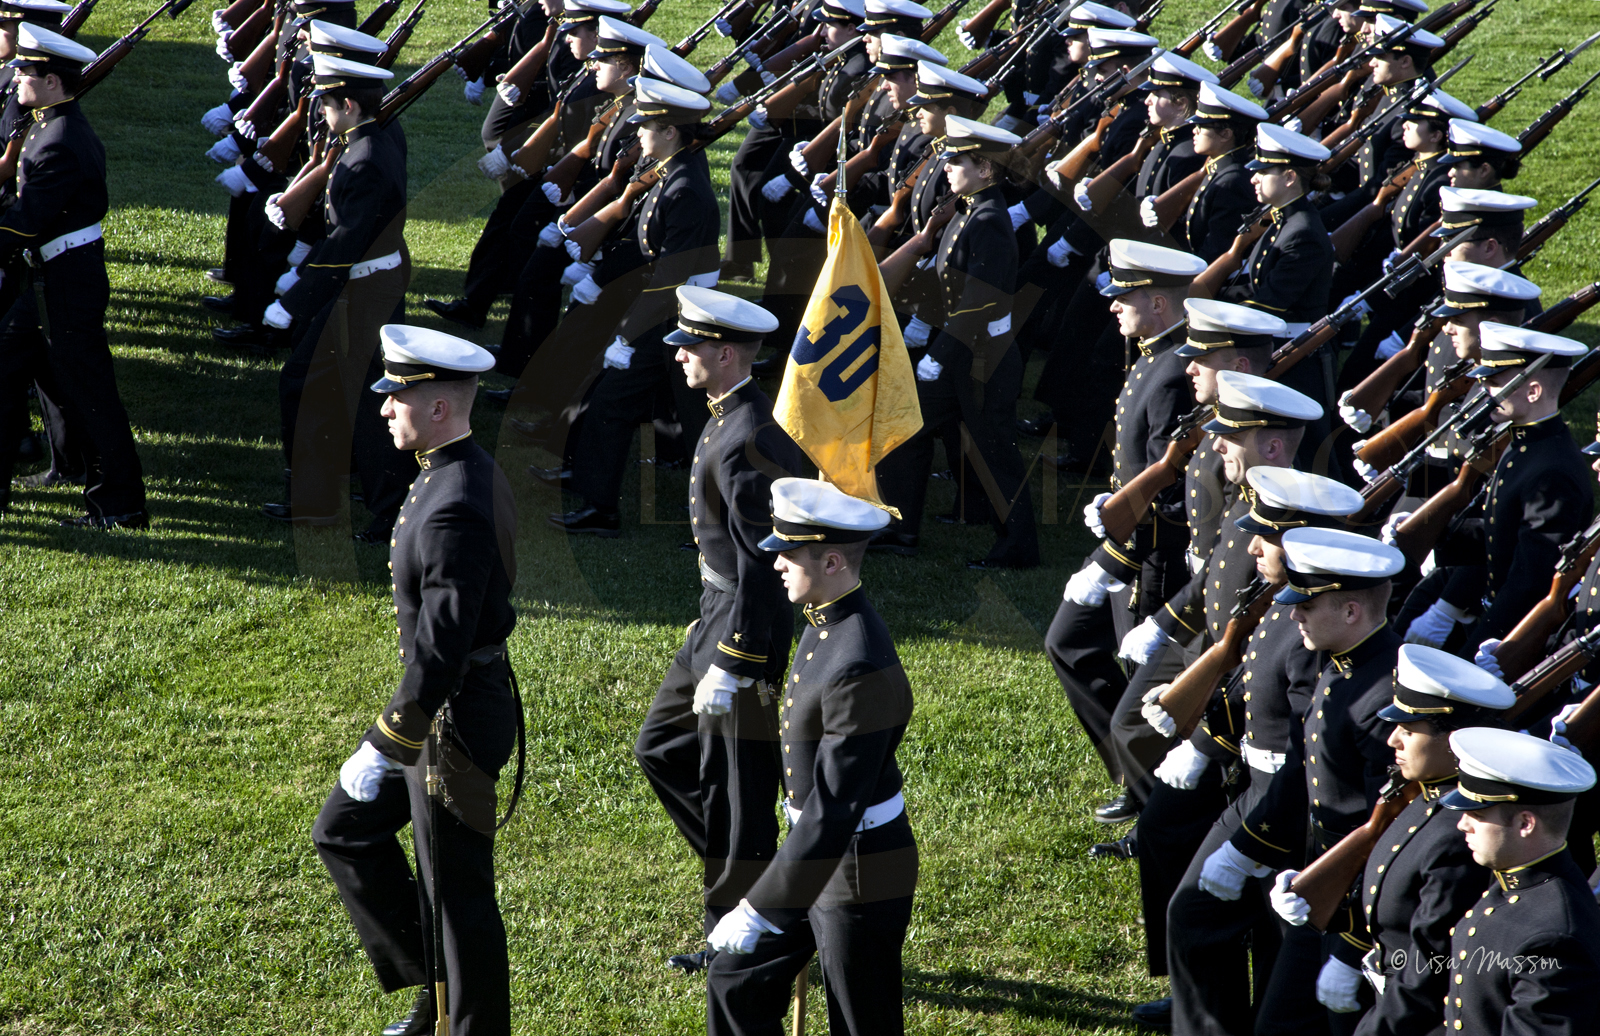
<point x="407" y="379"/>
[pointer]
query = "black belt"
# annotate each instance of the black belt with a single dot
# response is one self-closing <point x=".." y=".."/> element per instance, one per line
<point x="486" y="655"/>
<point x="716" y="580"/>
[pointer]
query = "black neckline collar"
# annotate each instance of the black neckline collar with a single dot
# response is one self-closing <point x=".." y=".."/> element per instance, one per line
<point x="447" y="453"/>
<point x="824" y="615"/>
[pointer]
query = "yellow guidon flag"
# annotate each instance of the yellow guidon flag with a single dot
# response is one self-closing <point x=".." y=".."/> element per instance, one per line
<point x="849" y="395"/>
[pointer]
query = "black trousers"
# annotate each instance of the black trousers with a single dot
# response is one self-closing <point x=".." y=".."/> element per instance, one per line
<point x="987" y="412"/>
<point x="1084" y="373"/>
<point x="502" y="121"/>
<point x="535" y="309"/>
<point x="328" y="412"/>
<point x="24" y="359"/>
<point x="797" y="259"/>
<point x="263" y="257"/>
<point x="745" y="180"/>
<point x="1137" y="746"/>
<point x="1172" y="825"/>
<point x="490" y="270"/>
<point x="859" y="944"/>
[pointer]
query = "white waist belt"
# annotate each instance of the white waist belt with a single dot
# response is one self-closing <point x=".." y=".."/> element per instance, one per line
<point x="1263" y="760"/>
<point x="1298" y="329"/>
<point x="704" y="280"/>
<point x="372" y="266"/>
<point x="50" y="250"/>
<point x="999" y="327"/>
<point x="875" y="816"/>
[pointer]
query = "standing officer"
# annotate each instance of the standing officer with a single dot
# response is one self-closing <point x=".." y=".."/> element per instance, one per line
<point x="1516" y="798"/>
<point x="709" y="742"/>
<point x="842" y="884"/>
<point x="453" y="561"/>
<point x="61" y="198"/>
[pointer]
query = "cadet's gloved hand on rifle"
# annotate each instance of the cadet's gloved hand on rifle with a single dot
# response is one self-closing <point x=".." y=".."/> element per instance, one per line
<point x="1142" y="642"/>
<point x="550" y="236"/>
<point x="1212" y="51"/>
<point x="236" y="77"/>
<point x="726" y="94"/>
<point x="1363" y="309"/>
<point x="237" y="181"/>
<point x="1182" y="767"/>
<point x="574" y="250"/>
<point x="576" y="272"/>
<point x="929" y="369"/>
<point x="218" y="25"/>
<point x="812" y="222"/>
<point x="473" y="91"/>
<point x="819" y="195"/>
<point x="1368" y="473"/>
<point x="777" y="188"/>
<point x="967" y="39"/>
<point x="1019" y="215"/>
<point x="619" y="354"/>
<point x="916" y="332"/>
<point x="1432" y="628"/>
<point x="1390" y="259"/>
<point x="758" y="117"/>
<point x="1090" y="586"/>
<point x="1286" y="904"/>
<point x="223" y="51"/>
<point x="276" y="316"/>
<point x="797" y="158"/>
<point x="225" y="151"/>
<point x="1080" y="194"/>
<point x="495" y="165"/>
<point x="276" y="217"/>
<point x="510" y="93"/>
<point x="1256" y="89"/>
<point x="1558" y="727"/>
<point x="1158" y="718"/>
<point x="739" y="929"/>
<point x="286" y="282"/>
<point x="218" y="121"/>
<point x="552" y="194"/>
<point x="713" y="695"/>
<point x="364" y="771"/>
<point x="1091" y="515"/>
<point x="1391" y="528"/>
<point x="586" y="291"/>
<point x="1355" y="417"/>
<point x="1147" y="211"/>
<point x="1226" y="870"/>
<point x="1390" y="346"/>
<point x="1485" y="658"/>
<point x="1339" y="987"/>
<point x="1060" y="253"/>
<point x="301" y="250"/>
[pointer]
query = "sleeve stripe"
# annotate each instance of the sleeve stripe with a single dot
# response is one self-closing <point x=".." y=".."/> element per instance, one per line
<point x="1246" y="829"/>
<point x="396" y="738"/>
<point x="1175" y="615"/>
<point x="747" y="656"/>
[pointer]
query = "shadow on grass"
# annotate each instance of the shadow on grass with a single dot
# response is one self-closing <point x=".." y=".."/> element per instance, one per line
<point x="980" y="994"/>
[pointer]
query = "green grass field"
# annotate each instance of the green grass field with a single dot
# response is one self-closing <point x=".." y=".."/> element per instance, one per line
<point x="176" y="703"/>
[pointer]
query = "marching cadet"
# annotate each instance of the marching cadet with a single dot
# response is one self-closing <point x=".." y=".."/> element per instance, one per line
<point x="709" y="742"/>
<point x="1480" y="157"/>
<point x="55" y="220"/>
<point x="1539" y="496"/>
<point x="1495" y="218"/>
<point x="1414" y="890"/>
<point x="668" y="238"/>
<point x="1396" y="65"/>
<point x="1122" y="583"/>
<point x="842" y="884"/>
<point x="1254" y="719"/>
<point x="972" y="371"/>
<point x="1338" y="584"/>
<point x="1527" y="956"/>
<point x="453" y="563"/>
<point x="511" y="107"/>
<point x="1224" y="125"/>
<point x="363" y="262"/>
<point x="1257" y="423"/>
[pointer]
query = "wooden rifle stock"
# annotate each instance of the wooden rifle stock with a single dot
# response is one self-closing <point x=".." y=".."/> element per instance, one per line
<point x="1173" y="202"/>
<point x="564" y="174"/>
<point x="1103" y="189"/>
<point x="603" y="193"/>
<point x="378" y="20"/>
<point x="1129" y="504"/>
<point x="1350" y="233"/>
<point x="535" y="151"/>
<point x="274" y="153"/>
<point x="982" y="25"/>
<point x="1075" y="164"/>
<point x="1394" y="442"/>
<point x="1326" y="881"/>
<point x="898" y="266"/>
<point x="1224" y="266"/>
<point x="1537" y="683"/>
<point x="943" y="17"/>
<point x="782" y="104"/>
<point x="592" y="231"/>
<point x="1347" y="139"/>
<point x="1227" y="38"/>
<point x="1420" y="532"/>
<point x="749" y="80"/>
<point x="786" y="58"/>
<point x="641" y="14"/>
<point x="1559" y="316"/>
<point x="258" y="66"/>
<point x="417" y="83"/>
<point x="237" y="13"/>
<point x="892" y="218"/>
<point x="1523" y="647"/>
<point x="1459" y="33"/>
<point x="821" y="152"/>
<point x="248" y="36"/>
<point x="1186" y="698"/>
<point x="1318" y="109"/>
<point x="400" y="37"/>
<point x="1270" y="71"/>
<point x="1541" y="127"/>
<point x="531" y="65"/>
<point x="1377" y="388"/>
<point x="1439" y="17"/>
<point x="266" y="106"/>
<point x="1584" y="724"/>
<point x="1535" y="236"/>
<point x="1194" y="39"/>
<point x="472" y="61"/>
<point x="13" y="152"/>
<point x="299" y="197"/>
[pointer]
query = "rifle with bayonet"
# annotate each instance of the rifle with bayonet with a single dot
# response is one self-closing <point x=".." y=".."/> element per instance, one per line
<point x="233" y="17"/>
<point x="1027" y="155"/>
<point x="1186" y="697"/>
<point x="1458" y="33"/>
<point x="704" y="29"/>
<point x="530" y="66"/>
<point x="1289" y="36"/>
<point x="781" y="103"/>
<point x="1127" y="507"/>
<point x="1536" y="684"/>
<point x="1226" y="39"/>
<point x="776" y="33"/>
<point x="378" y="20"/>
<point x="417" y="83"/>
<point x="1542" y="126"/>
<point x="245" y="39"/>
<point x="980" y="27"/>
<point x="1200" y="35"/>
<point x="73" y="20"/>
<point x="1308" y="91"/>
<point x="1535" y="237"/>
<point x="941" y="18"/>
<point x="1544" y="70"/>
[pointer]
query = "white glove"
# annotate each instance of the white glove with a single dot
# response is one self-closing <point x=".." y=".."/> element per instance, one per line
<point x="363" y="772"/>
<point x="1080" y="194"/>
<point x="1212" y="51"/>
<point x="713" y="695"/>
<point x="1391" y="528"/>
<point x="1042" y="117"/>
<point x="777" y="188"/>
<point x="1060" y="253"/>
<point x="301" y="249"/>
<point x="929" y="369"/>
<point x="1390" y="259"/>
<point x="1147" y="211"/>
<point x="1159" y="719"/>
<point x="724" y="27"/>
<point x="236" y="78"/>
<point x="1090" y="586"/>
<point x="244" y="125"/>
<point x="219" y="26"/>
<point x="218" y="121"/>
<point x="495" y="164"/>
<point x="797" y="158"/>
<point x="739" y="929"/>
<point x="1019" y="215"/>
<point x="550" y="236"/>
<point x="1486" y="659"/>
<point x="473" y="91"/>
<point x="576" y="272"/>
<point x="813" y="222"/>
<point x="1391" y="345"/>
<point x="758" y="117"/>
<point x="1254" y="84"/>
<point x="1182" y="767"/>
<point x="586" y="291"/>
<point x="286" y="282"/>
<point x="225" y="151"/>
<point x="1362" y="310"/>
<point x="967" y="39"/>
<point x="727" y="93"/>
<point x="1337" y="987"/>
<point x="1142" y="642"/>
<point x="819" y="195"/>
<point x="1367" y="472"/>
<point x="277" y="316"/>
<point x="767" y="78"/>
<point x="510" y="93"/>
<point x="1429" y="566"/>
<point x="1290" y="907"/>
<point x="1293" y="125"/>
<point x="551" y="192"/>
<point x="574" y="250"/>
<point x="1434" y="625"/>
<point x="237" y="181"/>
<point x="1558" y="726"/>
<point x="1091" y="515"/>
<point x="278" y="219"/>
<point x="222" y="46"/>
<point x="1030" y="98"/>
<point x="1355" y="417"/>
<point x="916" y="332"/>
<point x="1226" y="870"/>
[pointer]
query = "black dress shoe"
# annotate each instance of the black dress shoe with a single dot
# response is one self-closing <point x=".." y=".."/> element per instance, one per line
<point x="689" y="963"/>
<point x="283" y="513"/>
<point x="46" y="479"/>
<point x="732" y="271"/>
<point x="456" y="311"/>
<point x="1119" y="809"/>
<point x="217" y="275"/>
<point x="418" y="1021"/>
<point x="998" y="564"/>
<point x="1157" y="1014"/>
<point x="131" y="520"/>
<point x="253" y="337"/>
<point x="375" y="536"/>
<point x="1038" y="427"/>
<point x="218" y="303"/>
<point x="1124" y="848"/>
<point x="890" y="542"/>
<point x="589" y="520"/>
<point x="555" y="478"/>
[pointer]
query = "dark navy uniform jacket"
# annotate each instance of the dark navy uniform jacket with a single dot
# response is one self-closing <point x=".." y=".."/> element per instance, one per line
<point x="1224" y="199"/>
<point x="1203" y="606"/>
<point x="1264" y="702"/>
<point x="1526" y="956"/>
<point x="1417" y="206"/>
<point x="730" y="511"/>
<point x="61" y="180"/>
<point x="454" y="563"/>
<point x="366" y="215"/>
<point x="977" y="267"/>
<point x="1207" y="497"/>
<point x="1291" y="267"/>
<point x="845" y="709"/>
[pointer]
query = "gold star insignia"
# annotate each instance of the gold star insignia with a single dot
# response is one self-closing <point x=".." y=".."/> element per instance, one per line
<point x="737" y="637"/>
<point x="394" y="717"/>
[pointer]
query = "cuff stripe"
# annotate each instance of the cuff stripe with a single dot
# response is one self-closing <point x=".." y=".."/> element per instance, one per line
<point x="396" y="738"/>
<point x="1246" y="829"/>
<point x="745" y="655"/>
